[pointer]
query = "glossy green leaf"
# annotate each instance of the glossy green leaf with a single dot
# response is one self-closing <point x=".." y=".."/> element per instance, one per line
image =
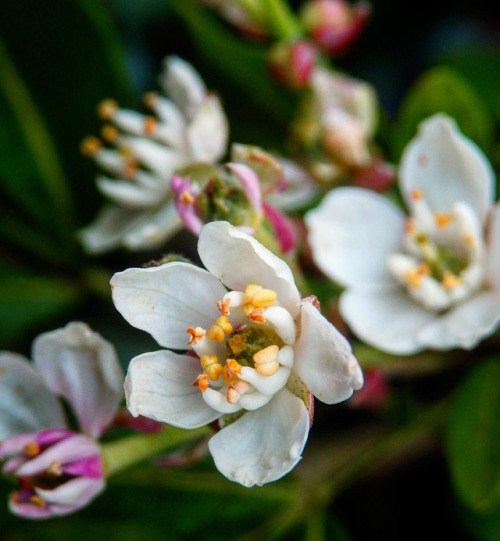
<point x="442" y="89"/>
<point x="473" y="438"/>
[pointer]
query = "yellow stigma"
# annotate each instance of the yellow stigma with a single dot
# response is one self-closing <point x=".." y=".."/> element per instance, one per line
<point x="220" y="328"/>
<point x="196" y="334"/>
<point x="211" y="365"/>
<point x="266" y="360"/>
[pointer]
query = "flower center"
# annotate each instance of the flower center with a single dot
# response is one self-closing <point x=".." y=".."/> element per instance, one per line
<point x="246" y="355"/>
<point x="443" y="262"/>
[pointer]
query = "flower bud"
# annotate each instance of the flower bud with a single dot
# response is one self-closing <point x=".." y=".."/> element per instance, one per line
<point x="291" y="64"/>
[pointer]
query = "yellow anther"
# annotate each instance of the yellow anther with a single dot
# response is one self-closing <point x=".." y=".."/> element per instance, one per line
<point x="55" y="469"/>
<point x="107" y="109"/>
<point x="257" y="316"/>
<point x="37" y="500"/>
<point x="223" y="306"/>
<point x="231" y="371"/>
<point x="450" y="280"/>
<point x="201" y="382"/>
<point x="416" y="194"/>
<point x="150" y="125"/>
<point x="409" y="227"/>
<point x="220" y="328"/>
<point x="469" y="240"/>
<point x="186" y="198"/>
<point x="232" y="395"/>
<point x="109" y="133"/>
<point x="237" y="343"/>
<point x="259" y="297"/>
<point x="150" y="99"/>
<point x="197" y="334"/>
<point x="129" y="168"/>
<point x="414" y="276"/>
<point x="90" y="146"/>
<point x="32" y="449"/>
<point x="266" y="360"/>
<point x="211" y="365"/>
<point x="443" y="219"/>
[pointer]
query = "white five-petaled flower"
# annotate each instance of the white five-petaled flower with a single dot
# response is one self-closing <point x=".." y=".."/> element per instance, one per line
<point x="427" y="280"/>
<point x="188" y="124"/>
<point x="59" y="470"/>
<point x="256" y="352"/>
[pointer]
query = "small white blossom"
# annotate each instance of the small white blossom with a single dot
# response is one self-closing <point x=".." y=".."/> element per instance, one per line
<point x="256" y="352"/>
<point x="427" y="280"/>
<point x="188" y="124"/>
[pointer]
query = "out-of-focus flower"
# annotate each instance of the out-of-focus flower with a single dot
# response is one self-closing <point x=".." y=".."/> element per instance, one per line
<point x="334" y="24"/>
<point x="291" y="63"/>
<point x="236" y="192"/>
<point x="187" y="125"/>
<point x="429" y="280"/>
<point x="333" y="132"/>
<point x="59" y="469"/>
<point x="256" y="352"/>
<point x="248" y="16"/>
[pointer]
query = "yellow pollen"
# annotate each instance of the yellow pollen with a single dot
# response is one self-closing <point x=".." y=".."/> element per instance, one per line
<point x="55" y="468"/>
<point x="201" y="382"/>
<point x="150" y="125"/>
<point x="409" y="227"/>
<point x="107" y="109"/>
<point x="257" y="316"/>
<point x="32" y="449"/>
<point x="197" y="334"/>
<point x="37" y="500"/>
<point x="90" y="146"/>
<point x="109" y="133"/>
<point x="450" y="280"/>
<point x="237" y="343"/>
<point x="223" y="307"/>
<point x="220" y="328"/>
<point x="211" y="365"/>
<point x="414" y="276"/>
<point x="186" y="198"/>
<point x="443" y="219"/>
<point x="266" y="360"/>
<point x="417" y="194"/>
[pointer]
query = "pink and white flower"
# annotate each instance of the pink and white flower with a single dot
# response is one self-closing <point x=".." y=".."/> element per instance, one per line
<point x="427" y="280"/>
<point x="58" y="469"/>
<point x="255" y="353"/>
<point x="188" y="124"/>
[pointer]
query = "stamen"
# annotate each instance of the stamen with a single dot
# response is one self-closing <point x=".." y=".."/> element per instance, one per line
<point x="150" y="99"/>
<point x="150" y="125"/>
<point x="443" y="219"/>
<point x="55" y="468"/>
<point x="260" y="297"/>
<point x="450" y="280"/>
<point x="107" y="109"/>
<point x="211" y="365"/>
<point x="220" y="328"/>
<point x="201" y="382"/>
<point x="110" y="134"/>
<point x="197" y="334"/>
<point x="32" y="449"/>
<point x="90" y="146"/>
<point x="469" y="240"/>
<point x="129" y="168"/>
<point x="416" y="194"/>
<point x="266" y="361"/>
<point x="223" y="306"/>
<point x="257" y="316"/>
<point x="37" y="500"/>
<point x="414" y="276"/>
<point x="231" y="371"/>
<point x="186" y="198"/>
<point x="409" y="227"/>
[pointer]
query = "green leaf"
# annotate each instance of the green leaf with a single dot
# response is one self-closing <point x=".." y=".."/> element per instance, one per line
<point x="443" y="90"/>
<point x="473" y="438"/>
<point x="28" y="300"/>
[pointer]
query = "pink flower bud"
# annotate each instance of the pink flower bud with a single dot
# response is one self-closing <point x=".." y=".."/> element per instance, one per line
<point x="58" y="471"/>
<point x="291" y="64"/>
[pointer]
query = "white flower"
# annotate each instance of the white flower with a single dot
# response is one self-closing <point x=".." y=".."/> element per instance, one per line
<point x="189" y="125"/>
<point x="257" y="351"/>
<point x="429" y="280"/>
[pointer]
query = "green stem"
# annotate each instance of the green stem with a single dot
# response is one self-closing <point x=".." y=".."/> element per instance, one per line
<point x="121" y="454"/>
<point x="281" y="20"/>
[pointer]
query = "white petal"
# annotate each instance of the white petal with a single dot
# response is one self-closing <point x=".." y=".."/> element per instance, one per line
<point x="154" y="229"/>
<point x="263" y="445"/>
<point x="81" y="366"/>
<point x="217" y="400"/>
<point x="324" y="359"/>
<point x="159" y="385"/>
<point x="447" y="166"/>
<point x="164" y="301"/>
<point x="155" y="156"/>
<point x="283" y="322"/>
<point x="494" y="248"/>
<point x="239" y="260"/>
<point x="388" y="320"/>
<point x="352" y="232"/>
<point x="465" y="325"/>
<point x="128" y="194"/>
<point x="266" y="384"/>
<point x="182" y="84"/>
<point x="75" y="493"/>
<point x="208" y="132"/>
<point x="26" y="403"/>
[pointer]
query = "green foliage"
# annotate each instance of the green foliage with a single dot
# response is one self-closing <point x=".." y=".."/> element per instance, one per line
<point x="473" y="438"/>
